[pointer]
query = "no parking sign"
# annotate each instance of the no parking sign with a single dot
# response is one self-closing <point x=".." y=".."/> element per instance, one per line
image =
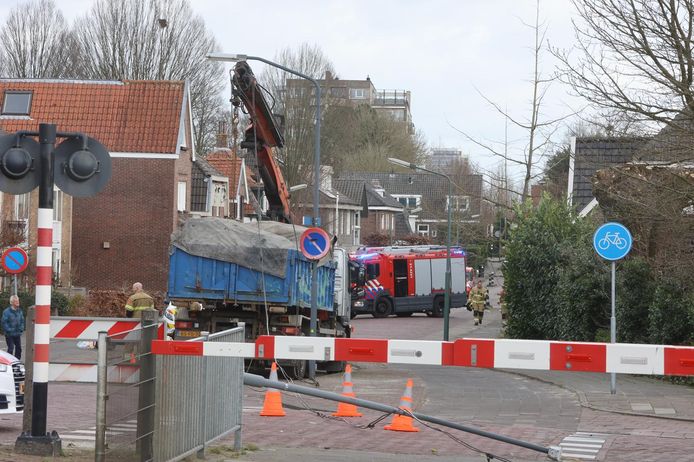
<point x="314" y="243"/>
<point x="14" y="260"/>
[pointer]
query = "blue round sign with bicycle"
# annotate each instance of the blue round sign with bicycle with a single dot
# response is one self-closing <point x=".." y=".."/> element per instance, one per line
<point x="612" y="241"/>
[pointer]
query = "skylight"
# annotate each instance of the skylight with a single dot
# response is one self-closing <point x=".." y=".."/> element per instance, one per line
<point x="16" y="103"/>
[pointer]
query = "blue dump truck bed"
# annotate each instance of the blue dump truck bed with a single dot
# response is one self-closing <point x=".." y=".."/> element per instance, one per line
<point x="204" y="279"/>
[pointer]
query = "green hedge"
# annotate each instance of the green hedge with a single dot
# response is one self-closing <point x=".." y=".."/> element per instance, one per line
<point x="558" y="288"/>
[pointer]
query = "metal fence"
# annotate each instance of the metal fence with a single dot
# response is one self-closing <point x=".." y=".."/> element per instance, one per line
<point x="125" y="408"/>
<point x="174" y="406"/>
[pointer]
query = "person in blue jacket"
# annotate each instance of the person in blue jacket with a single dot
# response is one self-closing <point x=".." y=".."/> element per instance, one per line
<point x="13" y="327"/>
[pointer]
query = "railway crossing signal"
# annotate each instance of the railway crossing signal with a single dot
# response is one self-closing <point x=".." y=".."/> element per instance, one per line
<point x="80" y="166"/>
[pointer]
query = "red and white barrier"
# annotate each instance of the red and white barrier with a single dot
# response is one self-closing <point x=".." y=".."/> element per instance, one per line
<point x="77" y="328"/>
<point x="89" y="328"/>
<point x="623" y="358"/>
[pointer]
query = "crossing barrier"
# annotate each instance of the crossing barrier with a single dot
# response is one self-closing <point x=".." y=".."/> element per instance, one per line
<point x="622" y="358"/>
<point x="71" y="363"/>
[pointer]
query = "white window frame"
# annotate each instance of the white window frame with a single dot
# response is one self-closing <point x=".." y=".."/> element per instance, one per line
<point x="182" y="195"/>
<point x="357" y="93"/>
<point x="456" y="203"/>
<point x="423" y="229"/>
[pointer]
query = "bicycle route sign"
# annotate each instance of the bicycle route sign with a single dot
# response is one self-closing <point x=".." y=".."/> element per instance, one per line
<point x="612" y="241"/>
<point x="14" y="260"/>
<point x="314" y="243"/>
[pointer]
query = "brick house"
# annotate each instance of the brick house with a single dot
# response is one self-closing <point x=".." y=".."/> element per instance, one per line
<point x="122" y="234"/>
<point x="240" y="178"/>
<point x="383" y="215"/>
<point x="424" y="197"/>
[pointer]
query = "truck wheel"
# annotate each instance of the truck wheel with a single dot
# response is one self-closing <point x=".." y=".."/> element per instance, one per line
<point x="437" y="312"/>
<point x="298" y="370"/>
<point x="334" y="366"/>
<point x="382" y="308"/>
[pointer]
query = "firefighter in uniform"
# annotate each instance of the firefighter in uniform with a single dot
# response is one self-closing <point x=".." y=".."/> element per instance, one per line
<point x="138" y="302"/>
<point x="478" y="301"/>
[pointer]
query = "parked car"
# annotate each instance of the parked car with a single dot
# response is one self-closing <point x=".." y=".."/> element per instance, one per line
<point x="11" y="384"/>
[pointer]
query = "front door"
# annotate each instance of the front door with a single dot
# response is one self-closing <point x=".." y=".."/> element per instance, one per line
<point x="400" y="274"/>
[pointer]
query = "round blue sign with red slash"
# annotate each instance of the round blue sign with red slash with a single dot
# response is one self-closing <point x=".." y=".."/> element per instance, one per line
<point x="14" y="260"/>
<point x="314" y="243"/>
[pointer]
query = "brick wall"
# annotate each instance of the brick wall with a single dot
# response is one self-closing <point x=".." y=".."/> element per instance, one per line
<point x="133" y="214"/>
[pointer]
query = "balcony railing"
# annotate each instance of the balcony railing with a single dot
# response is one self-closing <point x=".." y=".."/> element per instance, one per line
<point x="391" y="98"/>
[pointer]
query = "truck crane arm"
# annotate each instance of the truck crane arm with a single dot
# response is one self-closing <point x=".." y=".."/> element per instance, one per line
<point x="261" y="137"/>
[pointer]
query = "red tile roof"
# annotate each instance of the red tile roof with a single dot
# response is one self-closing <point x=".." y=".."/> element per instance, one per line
<point x="127" y="116"/>
<point x="229" y="165"/>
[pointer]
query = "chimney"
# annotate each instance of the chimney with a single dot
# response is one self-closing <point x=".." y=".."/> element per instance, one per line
<point x="377" y="187"/>
<point x="328" y="75"/>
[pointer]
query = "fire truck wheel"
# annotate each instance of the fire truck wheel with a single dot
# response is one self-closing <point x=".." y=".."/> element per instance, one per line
<point x="382" y="308"/>
<point x="438" y="307"/>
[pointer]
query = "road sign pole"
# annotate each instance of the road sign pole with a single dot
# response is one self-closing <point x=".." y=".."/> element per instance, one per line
<point x="14" y="283"/>
<point x="612" y="241"/>
<point x="314" y="314"/>
<point x="613" y="329"/>
<point x="314" y="244"/>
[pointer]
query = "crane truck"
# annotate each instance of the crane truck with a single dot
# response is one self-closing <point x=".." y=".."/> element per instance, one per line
<point x="222" y="272"/>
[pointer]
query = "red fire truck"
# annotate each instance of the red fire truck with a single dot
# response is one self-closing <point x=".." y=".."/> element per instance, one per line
<point x="402" y="280"/>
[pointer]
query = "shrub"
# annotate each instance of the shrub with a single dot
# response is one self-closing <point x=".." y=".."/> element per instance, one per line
<point x="669" y="322"/>
<point x="534" y="256"/>
<point x="635" y="290"/>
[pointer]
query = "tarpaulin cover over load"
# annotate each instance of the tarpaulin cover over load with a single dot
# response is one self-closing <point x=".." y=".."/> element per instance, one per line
<point x="243" y="244"/>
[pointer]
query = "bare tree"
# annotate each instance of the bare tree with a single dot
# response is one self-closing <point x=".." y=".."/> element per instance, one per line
<point x="35" y="42"/>
<point x="294" y="99"/>
<point x="539" y="131"/>
<point x="633" y="56"/>
<point x="355" y="137"/>
<point x="154" y="39"/>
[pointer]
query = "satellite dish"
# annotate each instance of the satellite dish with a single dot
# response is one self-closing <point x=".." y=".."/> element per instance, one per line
<point x="81" y="171"/>
<point x="19" y="164"/>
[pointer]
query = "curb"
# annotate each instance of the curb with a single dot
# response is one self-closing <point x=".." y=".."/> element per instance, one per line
<point x="583" y="401"/>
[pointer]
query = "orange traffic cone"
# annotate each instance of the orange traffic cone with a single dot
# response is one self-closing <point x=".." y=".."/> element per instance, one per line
<point x="403" y="423"/>
<point x="346" y="409"/>
<point x="272" y="407"/>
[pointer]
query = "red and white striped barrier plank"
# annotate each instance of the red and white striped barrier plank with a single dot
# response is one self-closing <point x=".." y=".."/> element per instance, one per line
<point x="88" y="328"/>
<point x="622" y="358"/>
<point x="87" y="373"/>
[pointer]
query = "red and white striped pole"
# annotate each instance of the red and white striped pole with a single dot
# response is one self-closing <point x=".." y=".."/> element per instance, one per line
<point x="44" y="272"/>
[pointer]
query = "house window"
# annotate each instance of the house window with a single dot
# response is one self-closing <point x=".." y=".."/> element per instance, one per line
<point x="57" y="205"/>
<point x="181" y="206"/>
<point x="357" y="93"/>
<point x="56" y="265"/>
<point x="16" y="103"/>
<point x="460" y="203"/>
<point x="357" y="228"/>
<point x="338" y="92"/>
<point x="21" y="206"/>
<point x="410" y="202"/>
<point x="423" y="230"/>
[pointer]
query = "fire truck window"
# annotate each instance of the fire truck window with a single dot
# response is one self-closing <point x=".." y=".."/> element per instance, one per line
<point x="373" y="270"/>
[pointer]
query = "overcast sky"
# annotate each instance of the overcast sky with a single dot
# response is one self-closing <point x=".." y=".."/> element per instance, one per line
<point x="443" y="51"/>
